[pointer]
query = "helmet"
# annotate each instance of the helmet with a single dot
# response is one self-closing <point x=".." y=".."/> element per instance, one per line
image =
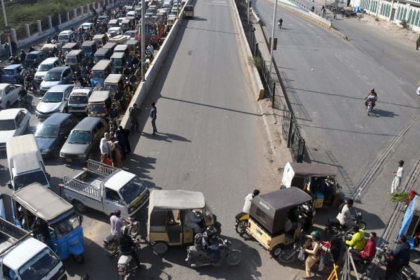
<point x="211" y="230"/>
<point x="316" y="235"/>
<point x="124" y="230"/>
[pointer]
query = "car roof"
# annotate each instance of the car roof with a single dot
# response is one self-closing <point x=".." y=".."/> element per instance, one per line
<point x="59" y="69"/>
<point x="66" y="32"/>
<point x="114" y="28"/>
<point x="81" y="90"/>
<point x="3" y="85"/>
<point x="60" y="88"/>
<point x="87" y="123"/>
<point x="9" y="113"/>
<point x="20" y="255"/>
<point x="35" y="52"/>
<point x="57" y="118"/>
<point x="50" y="60"/>
<point x="13" y="66"/>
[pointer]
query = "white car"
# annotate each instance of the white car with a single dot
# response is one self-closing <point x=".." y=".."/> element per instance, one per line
<point x="13" y="122"/>
<point x="9" y="94"/>
<point x="86" y="26"/>
<point x="54" y="101"/>
<point x="132" y="15"/>
<point x="131" y="34"/>
<point x="114" y="31"/>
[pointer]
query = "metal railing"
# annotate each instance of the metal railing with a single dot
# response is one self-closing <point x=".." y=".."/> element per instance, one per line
<point x="82" y="187"/>
<point x="100" y="168"/>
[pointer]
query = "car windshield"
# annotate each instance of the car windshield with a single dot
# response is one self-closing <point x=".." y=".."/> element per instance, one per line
<point x="98" y="74"/>
<point x="52" y="77"/>
<point x="72" y="60"/>
<point x="39" y="266"/>
<point x="7" y="125"/>
<point x="79" y="137"/>
<point x="132" y="190"/>
<point x="87" y="49"/>
<point x="23" y="180"/>
<point x="52" y="97"/>
<point x="66" y="225"/>
<point x="63" y="38"/>
<point x="78" y="99"/>
<point x="47" y="131"/>
<point x="8" y="71"/>
<point x="97" y="108"/>
<point x="45" y="67"/>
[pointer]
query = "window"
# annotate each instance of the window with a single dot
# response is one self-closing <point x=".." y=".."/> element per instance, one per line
<point x="111" y="195"/>
<point x="19" y="118"/>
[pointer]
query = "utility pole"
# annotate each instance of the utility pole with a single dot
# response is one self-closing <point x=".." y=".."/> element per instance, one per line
<point x="272" y="36"/>
<point x="143" y="40"/>
<point x="5" y="21"/>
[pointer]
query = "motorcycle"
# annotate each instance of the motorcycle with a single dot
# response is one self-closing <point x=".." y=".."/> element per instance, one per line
<point x="126" y="264"/>
<point x="280" y="23"/>
<point x="334" y="227"/>
<point x="290" y="255"/>
<point x="382" y="258"/>
<point x="241" y="223"/>
<point x="111" y="243"/>
<point x="197" y="257"/>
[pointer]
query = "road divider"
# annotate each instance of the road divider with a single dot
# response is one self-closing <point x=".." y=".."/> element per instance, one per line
<point x="256" y="82"/>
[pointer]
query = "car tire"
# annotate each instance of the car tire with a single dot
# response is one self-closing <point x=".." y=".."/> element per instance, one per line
<point x="79" y="206"/>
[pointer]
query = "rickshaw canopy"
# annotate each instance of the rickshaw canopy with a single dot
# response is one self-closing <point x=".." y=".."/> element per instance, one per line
<point x="176" y="199"/>
<point x="42" y="202"/>
<point x="120" y="48"/>
<point x="313" y="169"/>
<point x="270" y="209"/>
<point x="99" y="96"/>
<point x="113" y="79"/>
<point x="119" y="39"/>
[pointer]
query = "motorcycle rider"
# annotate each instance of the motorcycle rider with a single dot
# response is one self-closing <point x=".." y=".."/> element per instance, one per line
<point x="347" y="214"/>
<point x="357" y="241"/>
<point x="127" y="245"/>
<point x="280" y="22"/>
<point x="398" y="258"/>
<point x="371" y="96"/>
<point x="210" y="243"/>
<point x="116" y="222"/>
<point x="368" y="253"/>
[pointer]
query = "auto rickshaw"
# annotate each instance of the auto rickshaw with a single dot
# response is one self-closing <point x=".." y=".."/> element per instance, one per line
<point x="127" y="24"/>
<point x="74" y="59"/>
<point x="166" y="225"/>
<point x="99" y="103"/>
<point x="132" y="46"/>
<point x="113" y="23"/>
<point x="48" y="48"/>
<point x="115" y="83"/>
<point x="119" y="61"/>
<point x="110" y="45"/>
<point x="122" y="49"/>
<point x="170" y="22"/>
<point x="268" y="216"/>
<point x="100" y="40"/>
<point x="410" y="228"/>
<point x="67" y="48"/>
<point x="318" y="179"/>
<point x="102" y="54"/>
<point x="89" y="48"/>
<point x="100" y="71"/>
<point x="63" y="232"/>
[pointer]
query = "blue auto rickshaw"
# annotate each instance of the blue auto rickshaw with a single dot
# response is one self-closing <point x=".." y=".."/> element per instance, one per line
<point x="410" y="227"/>
<point x="51" y="219"/>
<point x="89" y="48"/>
<point x="100" y="71"/>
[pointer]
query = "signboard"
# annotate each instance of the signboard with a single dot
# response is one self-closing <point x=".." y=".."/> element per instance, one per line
<point x="7" y="30"/>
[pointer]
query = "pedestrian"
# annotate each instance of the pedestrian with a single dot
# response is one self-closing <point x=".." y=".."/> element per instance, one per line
<point x="22" y="56"/>
<point x="116" y="155"/>
<point x="398" y="177"/>
<point x="126" y="134"/>
<point x="103" y="145"/>
<point x="323" y="10"/>
<point x="122" y="141"/>
<point x="153" y="116"/>
<point x="248" y="199"/>
<point x="418" y="89"/>
<point x="14" y="47"/>
<point x="7" y="49"/>
<point x="418" y="43"/>
<point x="314" y="252"/>
<point x="105" y="159"/>
<point x="134" y="117"/>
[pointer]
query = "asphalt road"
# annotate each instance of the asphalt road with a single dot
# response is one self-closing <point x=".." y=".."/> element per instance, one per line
<point x="327" y="79"/>
<point x="211" y="140"/>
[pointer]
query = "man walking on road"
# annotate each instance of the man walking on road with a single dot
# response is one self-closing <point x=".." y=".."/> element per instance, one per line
<point x="398" y="177"/>
<point x="153" y="116"/>
<point x="134" y="117"/>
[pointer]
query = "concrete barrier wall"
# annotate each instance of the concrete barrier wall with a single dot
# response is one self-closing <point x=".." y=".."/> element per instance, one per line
<point x="143" y="89"/>
<point x="257" y="86"/>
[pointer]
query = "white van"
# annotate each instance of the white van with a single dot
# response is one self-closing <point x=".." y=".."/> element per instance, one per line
<point x="44" y="67"/>
<point x="25" y="162"/>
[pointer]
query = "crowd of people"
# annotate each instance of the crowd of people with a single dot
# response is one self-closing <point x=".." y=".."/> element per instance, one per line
<point x="114" y="147"/>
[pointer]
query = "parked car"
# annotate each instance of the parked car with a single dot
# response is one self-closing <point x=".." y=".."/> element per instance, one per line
<point x="52" y="133"/>
<point x="114" y="31"/>
<point x="33" y="59"/>
<point x="54" y="101"/>
<point x="56" y="76"/>
<point x="83" y="139"/>
<point x="13" y="122"/>
<point x="9" y="94"/>
<point x="12" y="74"/>
<point x="44" y="67"/>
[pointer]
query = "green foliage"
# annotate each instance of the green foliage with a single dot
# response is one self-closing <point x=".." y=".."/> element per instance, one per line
<point x="399" y="197"/>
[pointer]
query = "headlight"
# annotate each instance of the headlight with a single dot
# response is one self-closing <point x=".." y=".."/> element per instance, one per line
<point x="61" y="155"/>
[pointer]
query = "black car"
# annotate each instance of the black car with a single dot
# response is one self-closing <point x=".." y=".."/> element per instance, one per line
<point x="52" y="133"/>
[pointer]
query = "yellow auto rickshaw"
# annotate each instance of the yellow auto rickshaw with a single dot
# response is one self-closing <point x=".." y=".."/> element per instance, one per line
<point x="168" y="224"/>
<point x="100" y="40"/>
<point x="99" y="104"/>
<point x="115" y="84"/>
<point x="132" y="46"/>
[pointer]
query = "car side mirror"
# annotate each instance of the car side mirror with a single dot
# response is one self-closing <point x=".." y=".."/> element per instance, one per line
<point x="10" y="186"/>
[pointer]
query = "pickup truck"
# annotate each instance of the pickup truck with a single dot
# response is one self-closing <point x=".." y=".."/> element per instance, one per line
<point x="24" y="257"/>
<point x="105" y="189"/>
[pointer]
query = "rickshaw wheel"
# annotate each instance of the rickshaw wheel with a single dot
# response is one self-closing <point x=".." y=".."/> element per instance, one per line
<point x="79" y="258"/>
<point x="160" y="248"/>
<point x="234" y="257"/>
<point x="275" y="253"/>
<point x="414" y="256"/>
<point x="241" y="227"/>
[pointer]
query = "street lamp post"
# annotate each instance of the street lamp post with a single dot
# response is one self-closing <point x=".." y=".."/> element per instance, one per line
<point x="272" y="36"/>
<point x="5" y="20"/>
<point x="143" y="40"/>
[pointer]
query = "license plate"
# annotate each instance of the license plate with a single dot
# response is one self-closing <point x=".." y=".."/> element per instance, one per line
<point x="259" y="232"/>
<point x="68" y="159"/>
